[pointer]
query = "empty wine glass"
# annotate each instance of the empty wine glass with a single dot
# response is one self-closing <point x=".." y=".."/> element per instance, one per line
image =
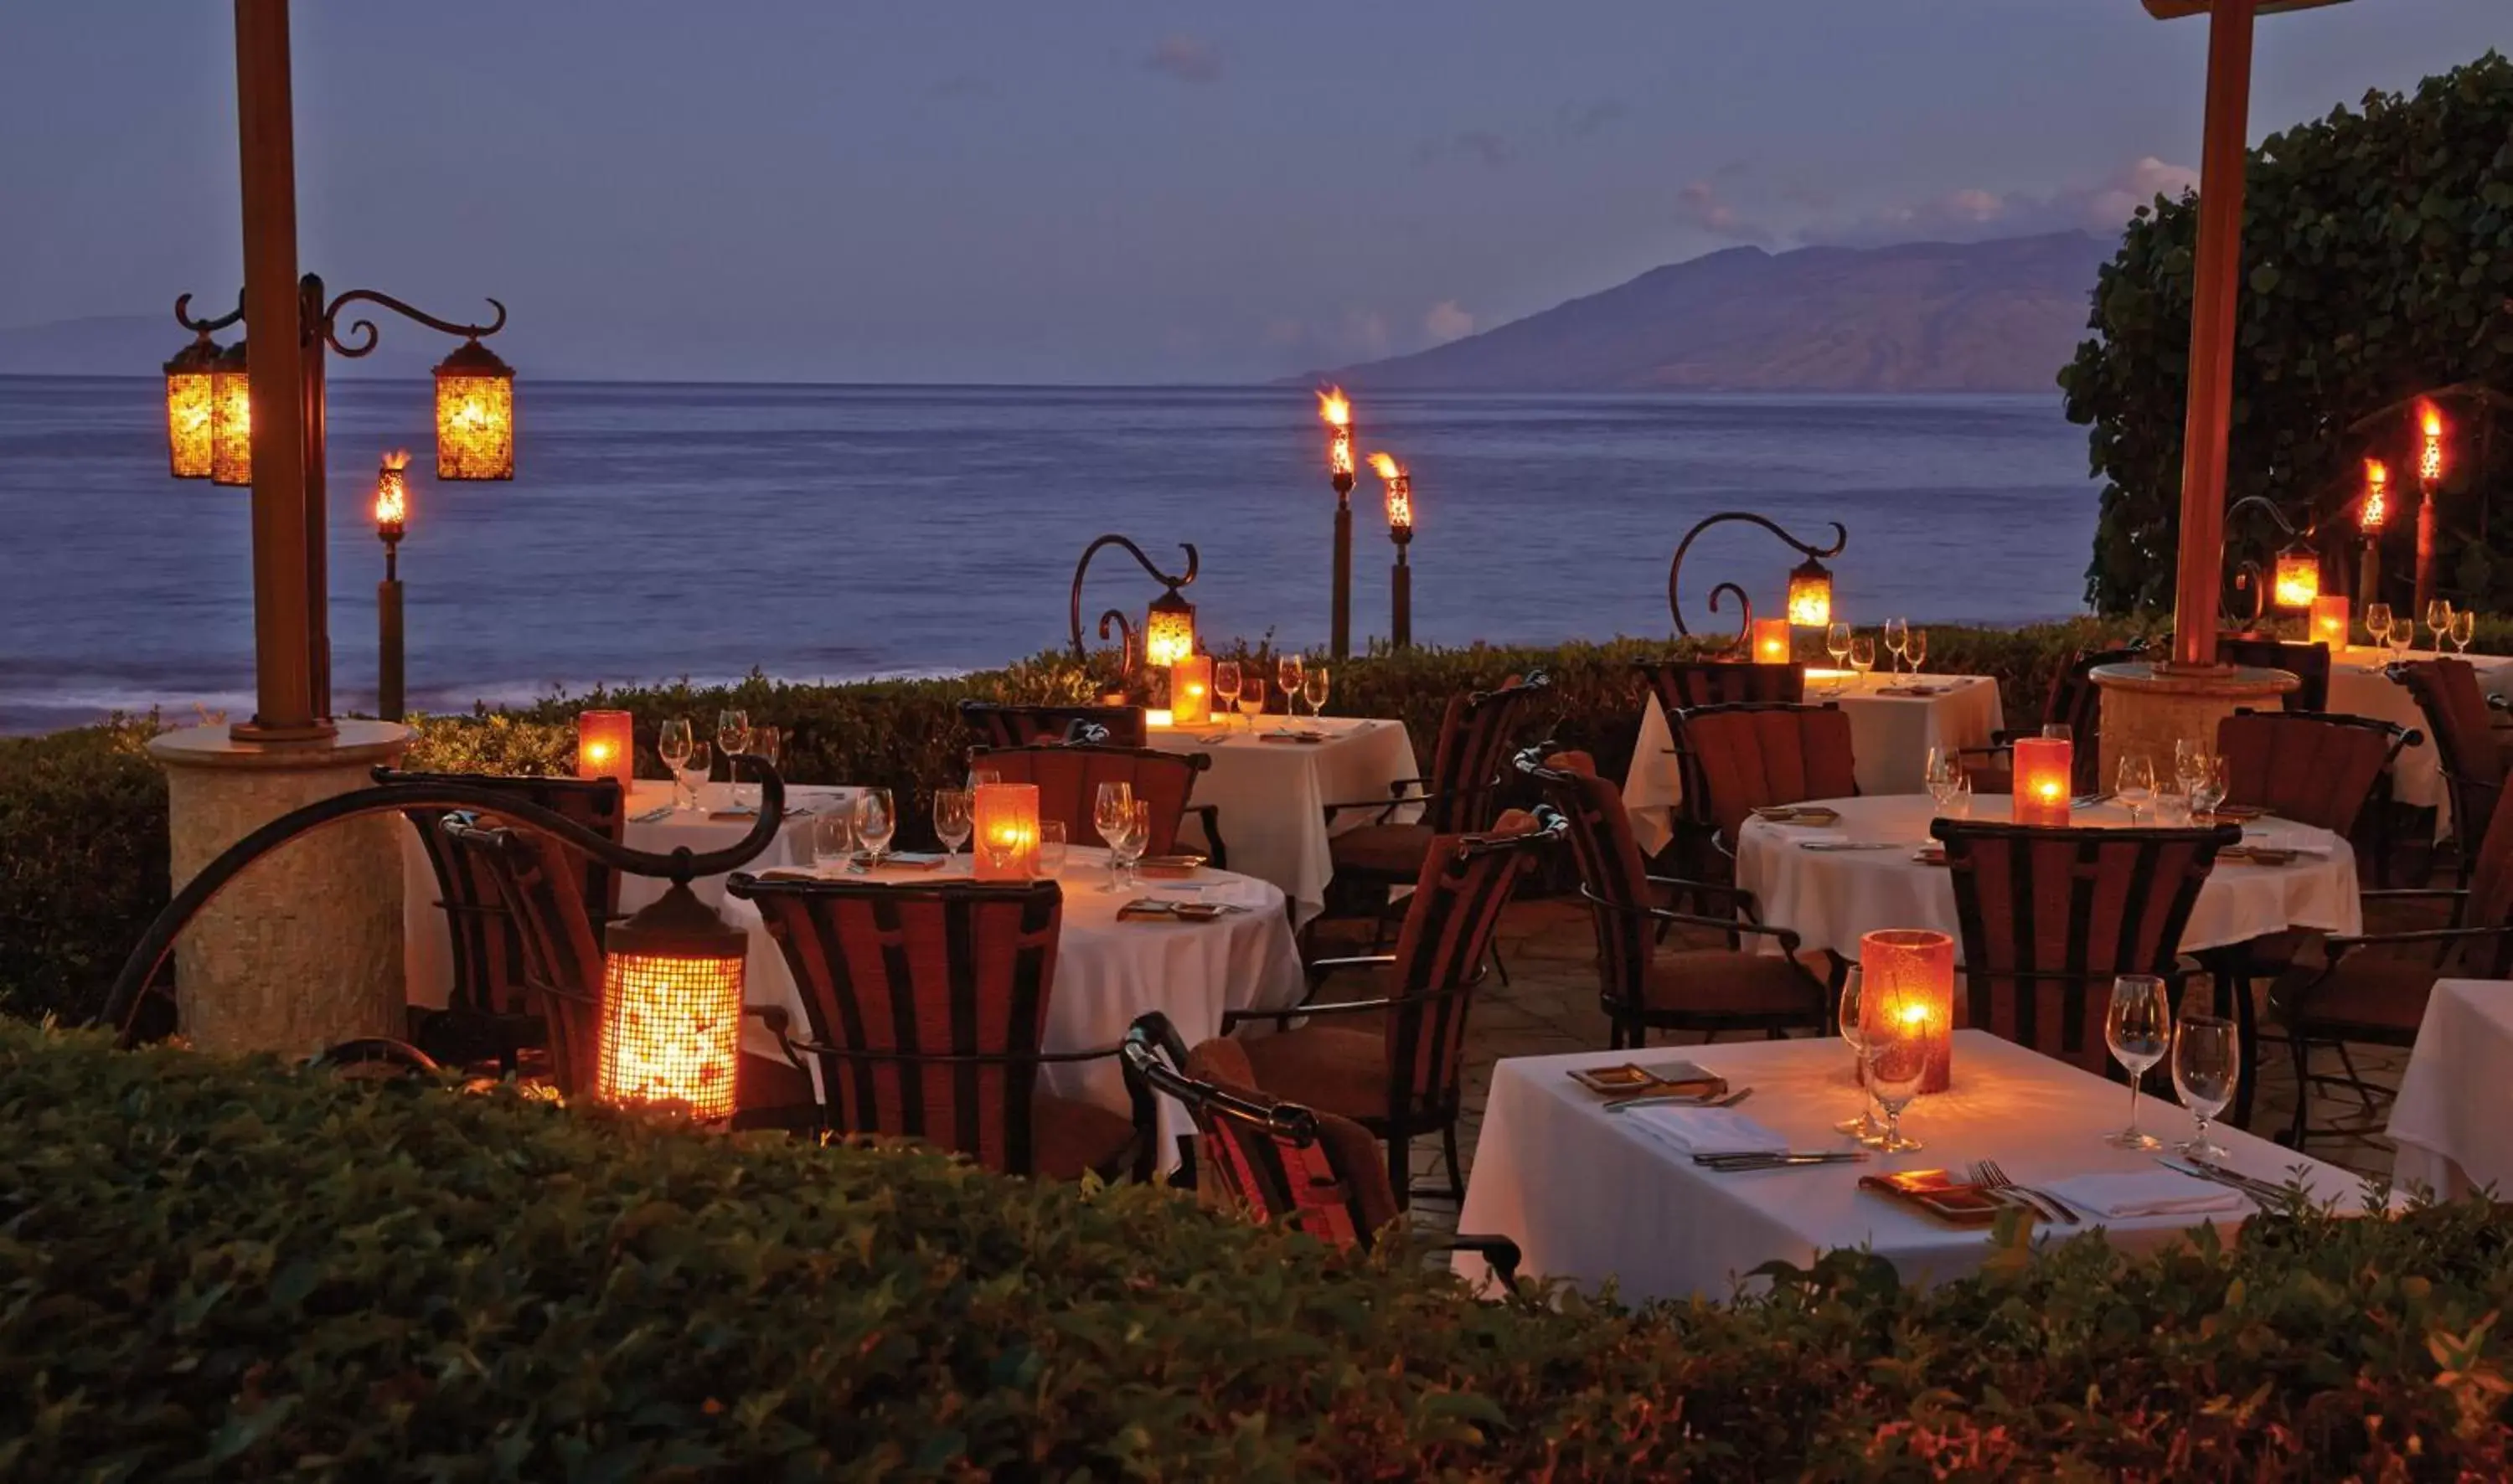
<point x="1000" y="848"/>
<point x="2438" y="620"/>
<point x="833" y="839"/>
<point x="693" y="774"/>
<point x="980" y="777"/>
<point x="2378" y="624"/>
<point x="2136" y="785"/>
<point x="2139" y="1029"/>
<point x="1897" y="1062"/>
<point x="733" y="735"/>
<point x="1866" y="1128"/>
<point x="2404" y="637"/>
<point x="2464" y="628"/>
<point x="1052" y="845"/>
<point x="2056" y="732"/>
<point x="2208" y="791"/>
<point x="953" y="818"/>
<point x="2207" y="1065"/>
<point x="876" y="822"/>
<point x="1898" y="634"/>
<point x="1112" y="809"/>
<point x="1251" y="697"/>
<point x="1226" y="687"/>
<point x="1288" y="678"/>
<point x="1944" y="773"/>
<point x="2189" y="761"/>
<point x="1314" y="687"/>
<point x="767" y="744"/>
<point x="1836" y="643"/>
<point x="1915" y="648"/>
<point x="672" y="743"/>
<point x="1132" y="837"/>
<point x="1863" y="654"/>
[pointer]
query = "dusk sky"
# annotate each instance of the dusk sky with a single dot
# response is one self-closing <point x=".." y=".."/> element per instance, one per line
<point x="1099" y="190"/>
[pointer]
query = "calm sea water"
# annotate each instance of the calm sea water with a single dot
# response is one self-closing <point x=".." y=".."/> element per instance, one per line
<point x="834" y="532"/>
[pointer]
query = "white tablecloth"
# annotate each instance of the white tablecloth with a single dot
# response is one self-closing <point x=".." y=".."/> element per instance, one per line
<point x="1890" y="737"/>
<point x="1588" y="1196"/>
<point x="1831" y="898"/>
<point x="427" y="948"/>
<point x="1107" y="972"/>
<point x="1273" y="796"/>
<point x="2449" y="1121"/>
<point x="2358" y="688"/>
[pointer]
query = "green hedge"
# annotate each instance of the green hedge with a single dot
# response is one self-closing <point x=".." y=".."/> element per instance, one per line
<point x="219" y="1269"/>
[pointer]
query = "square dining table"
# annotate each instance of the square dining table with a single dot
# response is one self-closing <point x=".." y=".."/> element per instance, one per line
<point x="1589" y="1196"/>
<point x="2449" y="1121"/>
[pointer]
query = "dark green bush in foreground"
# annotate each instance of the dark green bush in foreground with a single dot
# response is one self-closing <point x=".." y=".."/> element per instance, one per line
<point x="218" y="1270"/>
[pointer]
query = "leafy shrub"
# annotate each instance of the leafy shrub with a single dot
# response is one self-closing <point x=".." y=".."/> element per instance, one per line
<point x="216" y="1269"/>
<point x="83" y="862"/>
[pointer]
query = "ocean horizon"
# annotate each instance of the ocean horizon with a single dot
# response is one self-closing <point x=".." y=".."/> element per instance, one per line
<point x="833" y="532"/>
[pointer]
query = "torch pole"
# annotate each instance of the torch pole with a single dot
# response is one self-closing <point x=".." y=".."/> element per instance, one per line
<point x="1343" y="637"/>
<point x="2425" y="546"/>
<point x="1400" y="597"/>
<point x="388" y="669"/>
<point x="2369" y="573"/>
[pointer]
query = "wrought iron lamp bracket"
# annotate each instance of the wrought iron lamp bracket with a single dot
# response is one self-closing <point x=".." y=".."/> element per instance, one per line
<point x="330" y="328"/>
<point x="1675" y="569"/>
<point x="1083" y="568"/>
<point x="205" y="327"/>
<point x="1744" y="619"/>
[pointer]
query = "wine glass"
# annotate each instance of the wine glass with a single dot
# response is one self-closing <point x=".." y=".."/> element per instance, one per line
<point x="1944" y="773"/>
<point x="1836" y="643"/>
<point x="2207" y="1064"/>
<point x="1225" y="686"/>
<point x="1915" y="648"/>
<point x="1897" y="1062"/>
<point x="694" y="774"/>
<point x="1897" y="634"/>
<point x="1288" y="678"/>
<point x="1110" y="811"/>
<point x="1051" y="847"/>
<point x="980" y="777"/>
<point x="2404" y="637"/>
<point x="1251" y="697"/>
<point x="2464" y="628"/>
<point x="1134" y="836"/>
<point x="2136" y="783"/>
<point x="833" y="838"/>
<point x="2207" y="790"/>
<point x="1866" y="1128"/>
<point x="1863" y="654"/>
<point x="2438" y="620"/>
<point x="2378" y="624"/>
<point x="672" y="743"/>
<point x="767" y="744"/>
<point x="733" y="735"/>
<point x="953" y="818"/>
<point x="876" y="821"/>
<point x="2138" y="1028"/>
<point x="2056" y="732"/>
<point x="2189" y="761"/>
<point x="1000" y="848"/>
<point x="1314" y="687"/>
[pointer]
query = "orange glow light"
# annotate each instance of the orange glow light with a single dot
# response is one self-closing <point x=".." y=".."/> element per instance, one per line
<point x="1400" y="490"/>
<point x="672" y="1031"/>
<point x="2330" y="621"/>
<point x="1336" y="410"/>
<point x="2430" y="458"/>
<point x="605" y="746"/>
<point x="1006" y="830"/>
<point x="2045" y="772"/>
<point x="1191" y="692"/>
<point x="1910" y="979"/>
<point x="2298" y="580"/>
<point x="392" y="492"/>
<point x="2377" y="497"/>
<point x="1771" y="640"/>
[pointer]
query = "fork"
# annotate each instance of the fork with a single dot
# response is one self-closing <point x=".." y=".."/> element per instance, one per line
<point x="1987" y="1174"/>
<point x="1678" y="1100"/>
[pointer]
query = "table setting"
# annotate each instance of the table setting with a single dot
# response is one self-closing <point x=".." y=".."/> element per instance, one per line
<point x="2360" y="687"/>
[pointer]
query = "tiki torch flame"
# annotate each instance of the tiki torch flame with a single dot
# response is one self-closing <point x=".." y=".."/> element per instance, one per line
<point x="1336" y="412"/>
<point x="1400" y="490"/>
<point x="2430" y="459"/>
<point x="2377" y="497"/>
<point x="392" y="492"/>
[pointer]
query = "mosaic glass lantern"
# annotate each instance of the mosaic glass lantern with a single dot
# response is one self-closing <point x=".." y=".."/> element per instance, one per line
<point x="475" y="414"/>
<point x="605" y="747"/>
<point x="1169" y="630"/>
<point x="671" y="1008"/>
<point x="1909" y="976"/>
<point x="231" y="418"/>
<point x="1811" y="595"/>
<point x="2298" y="579"/>
<point x="190" y="378"/>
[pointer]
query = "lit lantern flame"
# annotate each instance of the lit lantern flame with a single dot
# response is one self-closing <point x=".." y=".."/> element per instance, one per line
<point x="1336" y="410"/>
<point x="671" y="1008"/>
<point x="1400" y="490"/>
<point x="231" y="418"/>
<point x="1811" y="595"/>
<point x="2298" y="581"/>
<point x="475" y="415"/>
<point x="2330" y="620"/>
<point x="392" y="494"/>
<point x="2378" y="498"/>
<point x="2430" y="458"/>
<point x="1006" y="822"/>
<point x="190" y="378"/>
<point x="1910" y="981"/>
<point x="1772" y="644"/>
<point x="606" y="746"/>
<point x="2045" y="772"/>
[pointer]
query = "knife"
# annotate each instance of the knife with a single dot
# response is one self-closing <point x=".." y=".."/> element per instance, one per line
<point x="2089" y="800"/>
<point x="2243" y="1184"/>
<point x="1679" y="1100"/>
<point x="1750" y="1161"/>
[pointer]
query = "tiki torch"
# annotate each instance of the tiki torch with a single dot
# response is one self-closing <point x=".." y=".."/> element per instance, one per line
<point x="2370" y="516"/>
<point x="1336" y="412"/>
<point x="1400" y="530"/>
<point x="392" y="520"/>
<point x="2430" y="475"/>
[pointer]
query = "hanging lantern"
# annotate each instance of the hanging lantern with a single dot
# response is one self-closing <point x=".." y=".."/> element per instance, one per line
<point x="2330" y="621"/>
<point x="606" y="746"/>
<point x="231" y="418"/>
<point x="475" y="414"/>
<point x="1005" y="819"/>
<point x="671" y="1008"/>
<point x="1169" y="630"/>
<point x="2045" y="772"/>
<point x="2298" y="581"/>
<point x="1771" y="642"/>
<point x="2378" y="498"/>
<point x="1811" y="595"/>
<point x="1191" y="692"/>
<point x="191" y="378"/>
<point x="1909" y="979"/>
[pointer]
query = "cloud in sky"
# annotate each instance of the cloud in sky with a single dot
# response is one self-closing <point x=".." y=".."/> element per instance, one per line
<point x="1481" y="145"/>
<point x="1188" y="58"/>
<point x="1446" y="322"/>
<point x="1701" y="207"/>
<point x="1974" y="213"/>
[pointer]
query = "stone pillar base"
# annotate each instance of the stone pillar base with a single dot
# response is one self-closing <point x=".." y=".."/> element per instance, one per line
<point x="2148" y="708"/>
<point x="304" y="948"/>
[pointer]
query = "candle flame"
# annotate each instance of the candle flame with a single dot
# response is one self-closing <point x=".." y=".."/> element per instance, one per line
<point x="2049" y="789"/>
<point x="1915" y="1015"/>
<point x="2377" y="497"/>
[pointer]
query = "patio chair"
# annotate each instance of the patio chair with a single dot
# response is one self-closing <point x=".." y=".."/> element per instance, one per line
<point x="2307" y="662"/>
<point x="1680" y="685"/>
<point x="2074" y="702"/>
<point x="485" y="1009"/>
<point x="534" y="879"/>
<point x="1738" y="759"/>
<point x="1068" y="776"/>
<point x="2315" y="768"/>
<point x="2048" y="918"/>
<point x="1461" y="795"/>
<point x="1401" y="1077"/>
<point x="2371" y="987"/>
<point x="2468" y="745"/>
<point x="1279" y="1161"/>
<point x="1642" y="987"/>
<point x="925" y="1008"/>
<point x="998" y="725"/>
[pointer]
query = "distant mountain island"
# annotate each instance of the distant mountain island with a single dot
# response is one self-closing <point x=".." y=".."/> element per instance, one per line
<point x="2000" y="316"/>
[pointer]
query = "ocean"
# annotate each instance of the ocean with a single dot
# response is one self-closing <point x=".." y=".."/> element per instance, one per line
<point x="836" y="532"/>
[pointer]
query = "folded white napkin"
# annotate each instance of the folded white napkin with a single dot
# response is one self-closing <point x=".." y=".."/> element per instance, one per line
<point x="1704" y="1130"/>
<point x="2148" y="1192"/>
<point x="1229" y="891"/>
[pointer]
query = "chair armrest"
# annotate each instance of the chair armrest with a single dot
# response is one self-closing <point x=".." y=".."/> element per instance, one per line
<point x="2340" y="948"/>
<point x="1788" y="939"/>
<point x="1500" y="1251"/>
<point x="2406" y="893"/>
<point x="1396" y="799"/>
<point x="1356" y="961"/>
<point x="1737" y="895"/>
<point x="1216" y="854"/>
<point x="1232" y="1019"/>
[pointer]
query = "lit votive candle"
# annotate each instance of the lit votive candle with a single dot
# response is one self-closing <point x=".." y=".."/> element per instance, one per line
<point x="1191" y="690"/>
<point x="1771" y="641"/>
<point x="605" y="746"/>
<point x="2045" y="772"/>
<point x="1909" y="975"/>
<point x="1006" y="821"/>
<point x="2330" y="621"/>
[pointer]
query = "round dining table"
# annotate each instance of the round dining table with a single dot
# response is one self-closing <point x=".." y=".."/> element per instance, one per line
<point x="1834" y="883"/>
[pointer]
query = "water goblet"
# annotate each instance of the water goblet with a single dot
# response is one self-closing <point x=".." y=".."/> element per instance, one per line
<point x="2136" y="785"/>
<point x="2207" y="1066"/>
<point x="1052" y="845"/>
<point x="876" y="822"/>
<point x="2171" y="803"/>
<point x="2438" y="620"/>
<point x="1866" y="1128"/>
<point x="2404" y="636"/>
<point x="2464" y="628"/>
<point x="672" y="743"/>
<point x="1897" y="1063"/>
<point x="1289" y="679"/>
<point x="1110" y="808"/>
<point x="693" y="777"/>
<point x="1863" y="654"/>
<point x="2138" y="1028"/>
<point x="1251" y="697"/>
<point x="1134" y="837"/>
<point x="1898" y="634"/>
<point x="1836" y="643"/>
<point x="767" y="744"/>
<point x="833" y="839"/>
<point x="953" y="818"/>
<point x="2058" y="731"/>
<point x="1225" y="688"/>
<point x="2378" y="624"/>
<point x="980" y="777"/>
<point x="1945" y="771"/>
<point x="1313" y="687"/>
<point x="1915" y="648"/>
<point x="733" y="735"/>
<point x="2208" y="791"/>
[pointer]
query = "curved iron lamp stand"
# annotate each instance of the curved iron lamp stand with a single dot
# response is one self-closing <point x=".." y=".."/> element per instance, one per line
<point x="679" y="866"/>
<point x="1675" y="569"/>
<point x="1083" y="567"/>
<point x="328" y="323"/>
<point x="2260" y="577"/>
